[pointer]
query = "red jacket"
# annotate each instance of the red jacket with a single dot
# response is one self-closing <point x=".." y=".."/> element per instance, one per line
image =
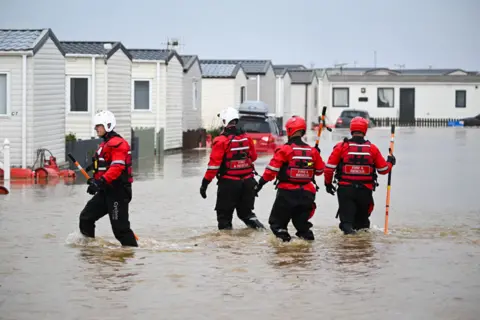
<point x="220" y="147"/>
<point x="113" y="159"/>
<point x="341" y="149"/>
<point x="282" y="156"/>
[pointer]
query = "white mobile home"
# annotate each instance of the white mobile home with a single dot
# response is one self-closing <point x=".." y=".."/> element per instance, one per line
<point x="157" y="93"/>
<point x="98" y="77"/>
<point x="304" y="95"/>
<point x="223" y="85"/>
<point x="404" y="94"/>
<point x="261" y="85"/>
<point x="192" y="93"/>
<point x="283" y="89"/>
<point x="32" y="94"/>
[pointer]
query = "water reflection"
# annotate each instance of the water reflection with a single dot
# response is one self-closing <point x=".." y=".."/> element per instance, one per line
<point x="354" y="250"/>
<point x="148" y="168"/>
<point x="294" y="255"/>
<point x="461" y="137"/>
<point x="354" y="255"/>
<point x="107" y="268"/>
<point x="194" y="162"/>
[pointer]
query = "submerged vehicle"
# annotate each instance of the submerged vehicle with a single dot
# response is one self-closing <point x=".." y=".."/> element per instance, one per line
<point x="259" y="125"/>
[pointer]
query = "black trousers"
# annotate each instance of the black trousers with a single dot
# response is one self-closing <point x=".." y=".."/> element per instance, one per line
<point x="295" y="205"/>
<point x="236" y="195"/>
<point x="355" y="203"/>
<point x="114" y="201"/>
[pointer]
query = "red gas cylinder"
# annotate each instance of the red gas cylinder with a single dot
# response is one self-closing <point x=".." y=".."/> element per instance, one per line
<point x="20" y="173"/>
<point x="3" y="190"/>
<point x="67" y="173"/>
<point x="46" y="173"/>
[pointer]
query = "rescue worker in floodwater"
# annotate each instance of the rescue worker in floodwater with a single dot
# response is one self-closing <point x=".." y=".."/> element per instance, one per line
<point x="231" y="161"/>
<point x="111" y="185"/>
<point x="355" y="162"/>
<point x="295" y="164"/>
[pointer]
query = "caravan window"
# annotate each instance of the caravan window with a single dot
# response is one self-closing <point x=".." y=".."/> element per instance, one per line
<point x="254" y="125"/>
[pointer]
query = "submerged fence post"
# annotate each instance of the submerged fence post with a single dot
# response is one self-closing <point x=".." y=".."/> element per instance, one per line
<point x="6" y="160"/>
<point x="5" y="189"/>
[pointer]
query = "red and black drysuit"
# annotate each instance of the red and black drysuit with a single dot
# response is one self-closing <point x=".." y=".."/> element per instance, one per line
<point x="231" y="161"/>
<point x="356" y="162"/>
<point x="112" y="189"/>
<point x="294" y="165"/>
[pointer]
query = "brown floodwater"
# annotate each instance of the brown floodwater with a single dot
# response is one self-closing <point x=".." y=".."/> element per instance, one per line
<point x="427" y="267"/>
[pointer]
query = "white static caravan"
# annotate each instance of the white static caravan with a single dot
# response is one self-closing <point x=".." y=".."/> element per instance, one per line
<point x="192" y="93"/>
<point x="98" y="77"/>
<point x="223" y="85"/>
<point x="157" y="93"/>
<point x="261" y="82"/>
<point x="283" y="90"/>
<point x="404" y="94"/>
<point x="304" y="95"/>
<point x="32" y="94"/>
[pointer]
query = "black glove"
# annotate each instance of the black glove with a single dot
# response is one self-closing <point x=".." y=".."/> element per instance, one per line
<point x="318" y="148"/>
<point x="330" y="188"/>
<point x="91" y="190"/>
<point x="95" y="185"/>
<point x="259" y="186"/>
<point x="203" y="188"/>
<point x="391" y="159"/>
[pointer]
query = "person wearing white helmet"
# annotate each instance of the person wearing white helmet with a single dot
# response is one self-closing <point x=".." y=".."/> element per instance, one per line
<point x="231" y="161"/>
<point x="111" y="185"/>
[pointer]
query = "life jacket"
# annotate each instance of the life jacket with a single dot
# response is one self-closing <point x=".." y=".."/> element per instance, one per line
<point x="102" y="159"/>
<point x="300" y="168"/>
<point x="356" y="165"/>
<point x="237" y="161"/>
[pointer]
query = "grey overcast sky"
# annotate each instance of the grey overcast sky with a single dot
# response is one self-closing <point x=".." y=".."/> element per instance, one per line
<point x="417" y="33"/>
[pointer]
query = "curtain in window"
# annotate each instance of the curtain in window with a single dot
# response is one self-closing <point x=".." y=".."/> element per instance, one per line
<point x="385" y="97"/>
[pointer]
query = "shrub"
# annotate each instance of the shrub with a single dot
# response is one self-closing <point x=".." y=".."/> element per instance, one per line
<point x="214" y="132"/>
<point x="70" y="137"/>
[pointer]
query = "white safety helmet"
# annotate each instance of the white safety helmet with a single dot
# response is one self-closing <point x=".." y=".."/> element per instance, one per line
<point x="107" y="119"/>
<point x="228" y="115"/>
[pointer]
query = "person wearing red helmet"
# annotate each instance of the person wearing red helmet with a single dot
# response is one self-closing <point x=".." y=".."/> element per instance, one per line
<point x="231" y="162"/>
<point x="295" y="164"/>
<point x="355" y="163"/>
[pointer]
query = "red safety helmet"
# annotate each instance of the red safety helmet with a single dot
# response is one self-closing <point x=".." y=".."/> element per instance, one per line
<point x="295" y="124"/>
<point x="359" y="124"/>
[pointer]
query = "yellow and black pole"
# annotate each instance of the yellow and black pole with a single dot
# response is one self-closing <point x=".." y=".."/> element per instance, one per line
<point x="85" y="174"/>
<point x="321" y="126"/>
<point x="389" y="183"/>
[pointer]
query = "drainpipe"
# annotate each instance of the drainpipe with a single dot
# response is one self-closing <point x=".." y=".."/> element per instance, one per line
<point x="157" y="122"/>
<point x="93" y="99"/>
<point x="105" y="84"/>
<point x="258" y="87"/>
<point x="282" y="97"/>
<point x="24" y="111"/>
<point x="278" y="106"/>
<point x="306" y="106"/>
